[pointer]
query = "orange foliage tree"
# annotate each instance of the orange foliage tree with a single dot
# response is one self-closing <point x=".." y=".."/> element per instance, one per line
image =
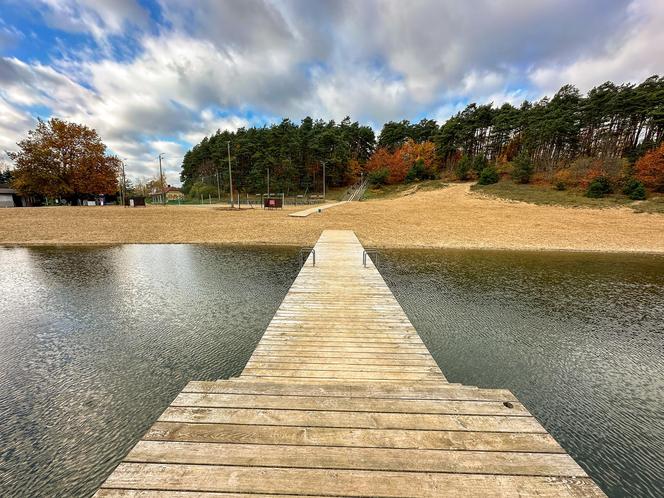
<point x="64" y="160"/>
<point x="399" y="162"/>
<point x="650" y="169"/>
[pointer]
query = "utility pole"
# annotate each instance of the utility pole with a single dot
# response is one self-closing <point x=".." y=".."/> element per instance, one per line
<point x="230" y="173"/>
<point x="161" y="180"/>
<point x="124" y="186"/>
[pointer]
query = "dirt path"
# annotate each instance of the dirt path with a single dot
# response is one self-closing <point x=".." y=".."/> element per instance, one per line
<point x="450" y="217"/>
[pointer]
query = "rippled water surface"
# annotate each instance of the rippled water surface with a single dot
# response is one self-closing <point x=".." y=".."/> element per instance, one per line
<point x="95" y="342"/>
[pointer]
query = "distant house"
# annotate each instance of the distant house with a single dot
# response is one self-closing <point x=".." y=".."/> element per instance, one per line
<point x="10" y="198"/>
<point x="7" y="196"/>
<point x="173" y="193"/>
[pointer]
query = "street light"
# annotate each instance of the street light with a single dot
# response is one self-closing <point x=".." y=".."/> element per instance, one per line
<point x="124" y="183"/>
<point x="161" y="179"/>
<point x="230" y="177"/>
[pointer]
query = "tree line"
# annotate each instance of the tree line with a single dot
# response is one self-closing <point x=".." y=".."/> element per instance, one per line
<point x="294" y="154"/>
<point x="570" y="137"/>
<point x="610" y="122"/>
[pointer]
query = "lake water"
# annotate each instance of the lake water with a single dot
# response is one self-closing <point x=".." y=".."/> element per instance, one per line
<point x="95" y="343"/>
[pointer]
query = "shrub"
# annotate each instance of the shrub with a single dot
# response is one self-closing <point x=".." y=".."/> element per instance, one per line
<point x="560" y="185"/>
<point x="479" y="163"/>
<point x="419" y="171"/>
<point x="523" y="168"/>
<point x="650" y="169"/>
<point x="488" y="176"/>
<point x="599" y="187"/>
<point x="584" y="170"/>
<point x="379" y="177"/>
<point x="462" y="168"/>
<point x="634" y="189"/>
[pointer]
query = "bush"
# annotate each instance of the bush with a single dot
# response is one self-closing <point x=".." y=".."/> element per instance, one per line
<point x="560" y="185"/>
<point x="599" y="187"/>
<point x="488" y="176"/>
<point x="378" y="177"/>
<point x="462" y="168"/>
<point x="634" y="189"/>
<point x="479" y="163"/>
<point x="523" y="168"/>
<point x="584" y="170"/>
<point x="418" y="171"/>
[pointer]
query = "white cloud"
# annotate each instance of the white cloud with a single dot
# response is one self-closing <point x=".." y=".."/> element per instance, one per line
<point x="211" y="64"/>
<point x="639" y="56"/>
<point x="100" y="18"/>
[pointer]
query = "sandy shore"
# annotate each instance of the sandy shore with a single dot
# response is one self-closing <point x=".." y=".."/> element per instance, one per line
<point x="450" y="217"/>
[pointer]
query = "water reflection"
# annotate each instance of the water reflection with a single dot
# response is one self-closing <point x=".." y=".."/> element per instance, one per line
<point x="94" y="343"/>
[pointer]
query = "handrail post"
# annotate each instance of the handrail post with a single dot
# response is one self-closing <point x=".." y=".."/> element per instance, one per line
<point x="367" y="252"/>
<point x="311" y="251"/>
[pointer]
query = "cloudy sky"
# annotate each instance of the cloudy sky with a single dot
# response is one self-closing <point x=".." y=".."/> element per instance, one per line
<point x="157" y="75"/>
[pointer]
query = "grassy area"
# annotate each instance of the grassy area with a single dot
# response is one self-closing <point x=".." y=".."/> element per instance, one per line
<point x="399" y="190"/>
<point x="547" y="195"/>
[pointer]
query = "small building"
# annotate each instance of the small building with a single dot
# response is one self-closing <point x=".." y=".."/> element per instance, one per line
<point x="10" y="198"/>
<point x="173" y="194"/>
<point x="7" y="197"/>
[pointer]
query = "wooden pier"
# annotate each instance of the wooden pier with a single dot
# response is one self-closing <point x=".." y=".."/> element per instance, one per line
<point x="342" y="398"/>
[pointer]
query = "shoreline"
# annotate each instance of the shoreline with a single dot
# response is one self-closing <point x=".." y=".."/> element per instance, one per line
<point x="258" y="244"/>
<point x="451" y="218"/>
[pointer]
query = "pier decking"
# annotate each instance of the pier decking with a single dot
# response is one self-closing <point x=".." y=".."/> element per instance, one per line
<point x="342" y="398"/>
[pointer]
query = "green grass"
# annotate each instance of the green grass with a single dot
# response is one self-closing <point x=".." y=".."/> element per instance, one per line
<point x="547" y="195"/>
<point x="391" y="191"/>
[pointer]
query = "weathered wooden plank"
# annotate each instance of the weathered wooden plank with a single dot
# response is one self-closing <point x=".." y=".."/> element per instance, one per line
<point x="331" y="377"/>
<point x="442" y="407"/>
<point x="369" y="348"/>
<point x="360" y="420"/>
<point x="344" y="374"/>
<point x="345" y="354"/>
<point x="342" y="482"/>
<point x="344" y="339"/>
<point x="154" y="493"/>
<point x="357" y="367"/>
<point x="329" y="457"/>
<point x="404" y="390"/>
<point x="353" y="437"/>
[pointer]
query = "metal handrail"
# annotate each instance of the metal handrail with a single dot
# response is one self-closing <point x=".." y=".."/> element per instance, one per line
<point x="368" y="252"/>
<point x="308" y="250"/>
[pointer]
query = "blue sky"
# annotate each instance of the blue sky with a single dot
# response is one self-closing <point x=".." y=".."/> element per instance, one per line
<point x="156" y="76"/>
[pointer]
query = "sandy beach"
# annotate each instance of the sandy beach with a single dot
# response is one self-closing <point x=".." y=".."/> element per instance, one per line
<point x="451" y="217"/>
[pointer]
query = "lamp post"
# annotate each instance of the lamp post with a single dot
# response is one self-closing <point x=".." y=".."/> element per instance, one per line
<point x="230" y="174"/>
<point x="161" y="180"/>
<point x="124" y="183"/>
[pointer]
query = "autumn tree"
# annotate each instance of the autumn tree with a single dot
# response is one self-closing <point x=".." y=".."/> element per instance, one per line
<point x="650" y="169"/>
<point x="400" y="162"/>
<point x="64" y="161"/>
